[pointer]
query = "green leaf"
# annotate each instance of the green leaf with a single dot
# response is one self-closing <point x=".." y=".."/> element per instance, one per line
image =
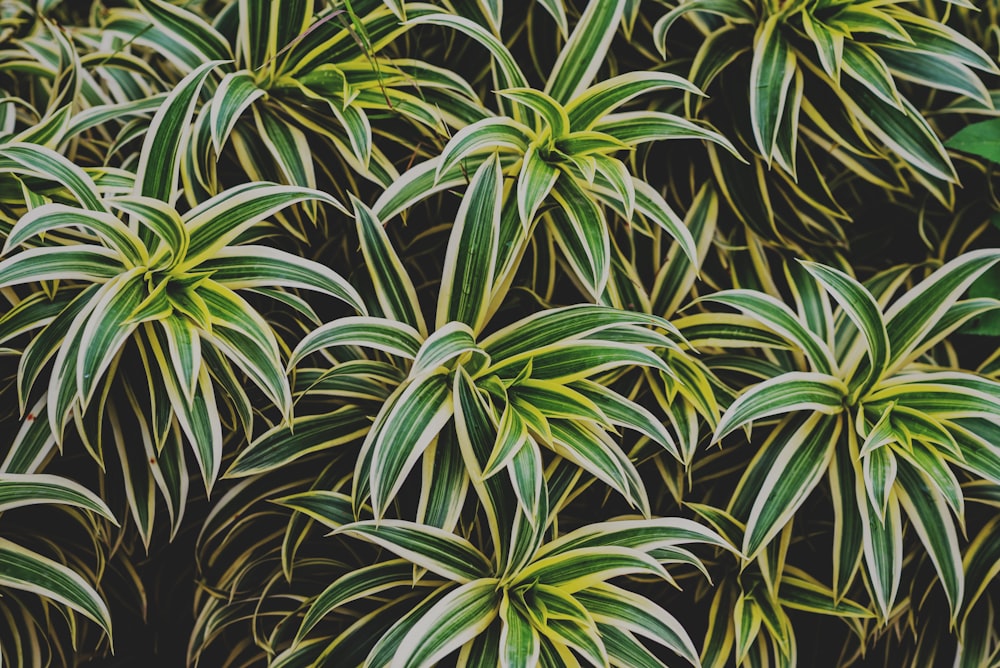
<point x="592" y="450"/>
<point x="568" y="323"/>
<point x="789" y="392"/>
<point x="457" y="618"/>
<point x="445" y="483"/>
<point x="593" y="104"/>
<point x="519" y="640"/>
<point x="580" y="229"/>
<point x="405" y="426"/>
<point x="393" y="288"/>
<point x="879" y="468"/>
<point x="286" y="443"/>
<point x="236" y="92"/>
<point x="771" y="74"/>
<point x="903" y="130"/>
<point x="829" y="43"/>
<point x="106" y="329"/>
<point x="581" y="568"/>
<point x="163" y="146"/>
<point x="735" y="10"/>
<point x="220" y="220"/>
<point x="28" y="489"/>
<point x="582" y="55"/>
<point x="437" y="550"/>
<point x="982" y="139"/>
<point x="29" y="571"/>
<point x="778" y="317"/>
<point x="243" y="335"/>
<point x="801" y="591"/>
<point x="289" y="147"/>
<point x="468" y="274"/>
<point x="510" y="74"/>
<point x="544" y="106"/>
<point x="368" y="581"/>
<point x="863" y="64"/>
<point x="251" y="266"/>
<point x="935" y="72"/>
<point x="488" y="134"/>
<point x="781" y="476"/>
<point x="332" y="509"/>
<point x="452" y="340"/>
<point x="114" y="233"/>
<point x="165" y="223"/>
<point x="69" y="263"/>
<point x="186" y="32"/>
<point x="48" y="164"/>
<point x="931" y="519"/>
<point x="477" y="434"/>
<point x="573" y="361"/>
<point x="534" y="183"/>
<point x="883" y="548"/>
<point x="637" y="127"/>
<point x="630" y="612"/>
<point x="862" y="309"/>
<point x="387" y="335"/>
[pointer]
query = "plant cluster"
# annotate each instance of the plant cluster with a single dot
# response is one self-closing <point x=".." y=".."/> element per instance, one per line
<point x="557" y="333"/>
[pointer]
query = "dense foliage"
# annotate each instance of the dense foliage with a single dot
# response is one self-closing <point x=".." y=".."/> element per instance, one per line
<point x="567" y="332"/>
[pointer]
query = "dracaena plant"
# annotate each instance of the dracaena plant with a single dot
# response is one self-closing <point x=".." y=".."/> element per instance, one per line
<point x="824" y="74"/>
<point x="158" y="288"/>
<point x="557" y="355"/>
<point x="888" y="430"/>
<point x="495" y="409"/>
<point x="565" y="145"/>
<point x="538" y="600"/>
<point x="293" y="65"/>
<point x="537" y="371"/>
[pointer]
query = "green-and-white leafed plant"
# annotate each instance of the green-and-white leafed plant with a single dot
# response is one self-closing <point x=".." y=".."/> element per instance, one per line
<point x="387" y="333"/>
<point x="867" y="411"/>
<point x="139" y="281"/>
<point x="827" y="76"/>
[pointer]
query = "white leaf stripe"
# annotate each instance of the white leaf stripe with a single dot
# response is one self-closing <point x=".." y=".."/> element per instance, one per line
<point x="107" y="328"/>
<point x="914" y="314"/>
<point x="364" y="582"/>
<point x="861" y="307"/>
<point x="510" y="74"/>
<point x="932" y="521"/>
<point x="254" y="266"/>
<point x="581" y="568"/>
<point x="488" y="134"/>
<point x="777" y="316"/>
<point x="560" y="324"/>
<point x="605" y="96"/>
<point x="627" y="611"/>
<point x="93" y="264"/>
<point x="216" y="222"/>
<point x="46" y="163"/>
